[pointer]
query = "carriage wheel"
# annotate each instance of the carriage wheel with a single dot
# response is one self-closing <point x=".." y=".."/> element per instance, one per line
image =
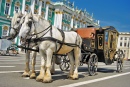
<point x="120" y="60"/>
<point x="92" y="64"/>
<point x="64" y="65"/>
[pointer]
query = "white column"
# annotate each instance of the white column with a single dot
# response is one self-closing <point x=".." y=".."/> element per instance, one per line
<point x="60" y="25"/>
<point x="72" y="22"/>
<point x="47" y="8"/>
<point x="23" y="7"/>
<point x="40" y="7"/>
<point x="32" y="6"/>
<point x="55" y="19"/>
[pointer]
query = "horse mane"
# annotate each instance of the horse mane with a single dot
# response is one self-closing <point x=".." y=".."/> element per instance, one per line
<point x="39" y="18"/>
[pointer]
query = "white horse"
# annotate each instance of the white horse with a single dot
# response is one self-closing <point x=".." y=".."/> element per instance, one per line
<point x="51" y="40"/>
<point x="16" y="24"/>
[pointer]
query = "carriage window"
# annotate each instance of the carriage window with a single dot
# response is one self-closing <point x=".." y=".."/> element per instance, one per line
<point x="7" y="7"/>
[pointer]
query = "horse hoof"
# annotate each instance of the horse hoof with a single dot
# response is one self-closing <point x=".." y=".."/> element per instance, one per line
<point x="25" y="75"/>
<point x="75" y="78"/>
<point x="49" y="81"/>
<point x="39" y="80"/>
<point x="32" y="77"/>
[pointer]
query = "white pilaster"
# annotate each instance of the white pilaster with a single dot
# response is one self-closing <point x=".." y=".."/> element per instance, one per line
<point x="55" y="19"/>
<point x="32" y="6"/>
<point x="75" y="23"/>
<point x="40" y="7"/>
<point x="47" y="8"/>
<point x="23" y="7"/>
<point x="60" y="24"/>
<point x="72" y="22"/>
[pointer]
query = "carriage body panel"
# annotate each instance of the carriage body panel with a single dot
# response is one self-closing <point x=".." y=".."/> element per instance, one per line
<point x="102" y="41"/>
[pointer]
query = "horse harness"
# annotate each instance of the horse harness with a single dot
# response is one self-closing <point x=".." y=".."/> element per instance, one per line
<point x="41" y="38"/>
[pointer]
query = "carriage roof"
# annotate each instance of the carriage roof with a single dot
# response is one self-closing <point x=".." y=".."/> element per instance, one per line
<point x="87" y="32"/>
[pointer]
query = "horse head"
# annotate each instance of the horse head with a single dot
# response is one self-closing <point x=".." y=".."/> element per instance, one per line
<point x="33" y="23"/>
<point x="16" y="23"/>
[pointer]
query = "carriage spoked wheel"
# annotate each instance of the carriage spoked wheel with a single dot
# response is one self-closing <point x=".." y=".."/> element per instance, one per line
<point x="64" y="65"/>
<point x="92" y="64"/>
<point x="120" y="60"/>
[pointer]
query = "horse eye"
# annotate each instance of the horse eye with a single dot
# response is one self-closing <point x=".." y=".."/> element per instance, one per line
<point x="17" y="22"/>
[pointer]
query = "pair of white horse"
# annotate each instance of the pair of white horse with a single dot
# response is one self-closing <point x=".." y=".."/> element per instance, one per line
<point x="36" y="25"/>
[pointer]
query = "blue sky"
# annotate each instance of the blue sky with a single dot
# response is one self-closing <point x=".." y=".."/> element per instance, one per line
<point x="110" y="12"/>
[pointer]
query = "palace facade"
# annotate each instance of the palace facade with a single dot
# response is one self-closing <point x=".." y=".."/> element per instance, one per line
<point x="62" y="14"/>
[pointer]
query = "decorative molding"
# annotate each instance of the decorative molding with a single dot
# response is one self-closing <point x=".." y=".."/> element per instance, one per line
<point x="48" y="2"/>
<point x="9" y="1"/>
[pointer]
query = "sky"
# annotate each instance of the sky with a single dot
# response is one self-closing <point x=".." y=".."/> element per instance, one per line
<point x="114" y="13"/>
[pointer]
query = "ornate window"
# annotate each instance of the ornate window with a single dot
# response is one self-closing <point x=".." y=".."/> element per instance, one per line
<point x="7" y="8"/>
<point x="50" y="13"/>
<point x="36" y="2"/>
<point x="120" y="44"/>
<point x="17" y="5"/>
<point x="5" y="29"/>
<point x="43" y="3"/>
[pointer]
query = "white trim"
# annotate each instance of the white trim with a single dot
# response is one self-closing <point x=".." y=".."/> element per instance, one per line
<point x="23" y="7"/>
<point x="5" y="22"/>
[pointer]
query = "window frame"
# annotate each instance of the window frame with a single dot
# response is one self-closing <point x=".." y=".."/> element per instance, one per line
<point x="6" y="8"/>
<point x="7" y="31"/>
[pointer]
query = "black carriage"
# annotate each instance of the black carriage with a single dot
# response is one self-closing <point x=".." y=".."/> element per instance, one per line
<point x="99" y="45"/>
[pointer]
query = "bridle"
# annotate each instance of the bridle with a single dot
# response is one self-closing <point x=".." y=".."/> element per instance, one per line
<point x="18" y="28"/>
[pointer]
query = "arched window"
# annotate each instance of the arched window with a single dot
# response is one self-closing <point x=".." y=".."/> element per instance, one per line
<point x="17" y="6"/>
<point x="5" y="29"/>
<point x="7" y="7"/>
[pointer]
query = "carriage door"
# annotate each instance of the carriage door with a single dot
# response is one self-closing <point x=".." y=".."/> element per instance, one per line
<point x="106" y="44"/>
<point x="100" y="41"/>
<point x="111" y="45"/>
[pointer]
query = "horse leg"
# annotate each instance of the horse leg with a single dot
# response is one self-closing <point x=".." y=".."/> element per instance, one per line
<point x="70" y="56"/>
<point x="27" y="69"/>
<point x="47" y="77"/>
<point x="53" y="65"/>
<point x="33" y="73"/>
<point x="42" y="71"/>
<point x="77" y="54"/>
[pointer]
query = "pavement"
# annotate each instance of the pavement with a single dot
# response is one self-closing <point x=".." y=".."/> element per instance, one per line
<point x="12" y="67"/>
